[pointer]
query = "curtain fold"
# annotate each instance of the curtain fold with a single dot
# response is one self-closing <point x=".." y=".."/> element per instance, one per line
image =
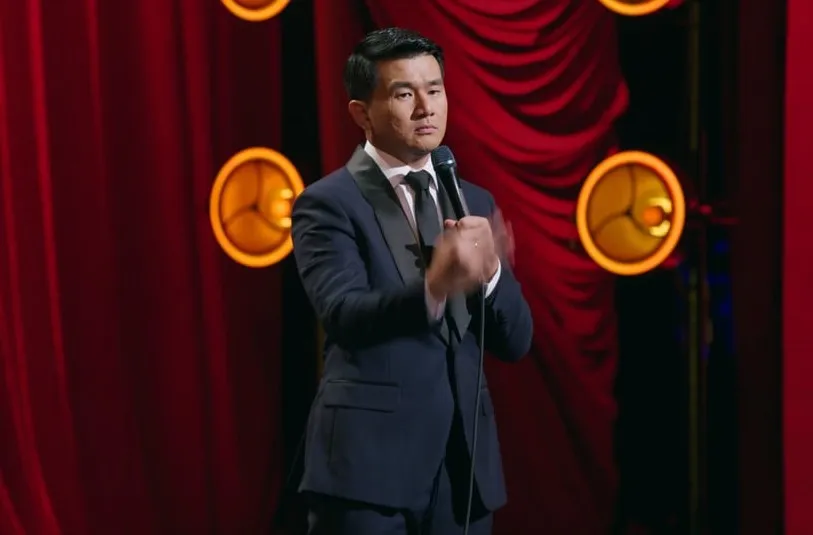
<point x="534" y="89"/>
<point x="797" y="271"/>
<point x="140" y="366"/>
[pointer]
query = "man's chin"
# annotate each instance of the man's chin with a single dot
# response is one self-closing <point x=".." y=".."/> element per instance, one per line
<point x="425" y="146"/>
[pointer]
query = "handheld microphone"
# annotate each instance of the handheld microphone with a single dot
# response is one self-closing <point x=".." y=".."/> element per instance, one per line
<point x="446" y="169"/>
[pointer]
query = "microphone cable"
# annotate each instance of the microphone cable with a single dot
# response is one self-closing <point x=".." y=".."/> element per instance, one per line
<point x="481" y="343"/>
<point x="445" y="167"/>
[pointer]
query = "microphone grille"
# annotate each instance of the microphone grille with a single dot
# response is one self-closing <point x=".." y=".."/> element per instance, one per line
<point x="442" y="156"/>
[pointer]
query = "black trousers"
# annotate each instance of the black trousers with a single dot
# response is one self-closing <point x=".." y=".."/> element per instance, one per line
<point x="442" y="515"/>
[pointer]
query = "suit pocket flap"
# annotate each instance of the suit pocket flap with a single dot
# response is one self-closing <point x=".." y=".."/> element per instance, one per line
<point x="371" y="396"/>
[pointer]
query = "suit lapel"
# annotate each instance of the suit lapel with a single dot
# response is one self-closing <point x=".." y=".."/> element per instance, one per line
<point x="401" y="240"/>
<point x="389" y="214"/>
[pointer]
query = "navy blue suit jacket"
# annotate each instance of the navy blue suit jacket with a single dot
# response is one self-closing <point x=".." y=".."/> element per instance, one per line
<point x="378" y="427"/>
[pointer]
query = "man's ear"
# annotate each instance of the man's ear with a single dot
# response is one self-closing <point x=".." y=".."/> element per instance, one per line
<point x="358" y="111"/>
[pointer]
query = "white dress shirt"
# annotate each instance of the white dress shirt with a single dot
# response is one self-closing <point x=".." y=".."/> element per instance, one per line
<point x="395" y="171"/>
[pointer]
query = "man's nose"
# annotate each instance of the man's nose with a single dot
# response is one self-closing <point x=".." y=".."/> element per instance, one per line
<point x="423" y="105"/>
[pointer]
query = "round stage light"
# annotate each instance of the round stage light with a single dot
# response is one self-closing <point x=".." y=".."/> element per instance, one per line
<point x="634" y="8"/>
<point x="250" y="206"/>
<point x="255" y="10"/>
<point x="630" y="213"/>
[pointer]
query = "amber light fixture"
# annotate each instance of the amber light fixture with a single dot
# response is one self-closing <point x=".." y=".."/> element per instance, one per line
<point x="255" y="10"/>
<point x="630" y="213"/>
<point x="634" y="8"/>
<point x="250" y="206"/>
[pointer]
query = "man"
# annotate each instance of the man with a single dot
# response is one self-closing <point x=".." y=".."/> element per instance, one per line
<point x="394" y="279"/>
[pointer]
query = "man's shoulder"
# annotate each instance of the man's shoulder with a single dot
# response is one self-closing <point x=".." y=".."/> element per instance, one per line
<point x="333" y="185"/>
<point x="471" y="187"/>
<point x="477" y="195"/>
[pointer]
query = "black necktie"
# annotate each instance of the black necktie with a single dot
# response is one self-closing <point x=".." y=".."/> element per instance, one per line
<point x="426" y="211"/>
<point x="428" y="222"/>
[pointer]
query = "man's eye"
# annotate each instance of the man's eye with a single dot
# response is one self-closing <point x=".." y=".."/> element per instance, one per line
<point x="402" y="96"/>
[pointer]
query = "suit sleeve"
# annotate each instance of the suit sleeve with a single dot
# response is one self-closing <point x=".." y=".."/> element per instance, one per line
<point x="508" y="321"/>
<point x="334" y="276"/>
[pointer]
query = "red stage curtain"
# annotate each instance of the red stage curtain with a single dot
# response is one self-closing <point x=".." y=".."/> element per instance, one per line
<point x="534" y="88"/>
<point x="797" y="277"/>
<point x="140" y="367"/>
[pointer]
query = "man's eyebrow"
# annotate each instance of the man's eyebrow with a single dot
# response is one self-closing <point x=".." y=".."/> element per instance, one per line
<point x="407" y="85"/>
<point x="400" y="85"/>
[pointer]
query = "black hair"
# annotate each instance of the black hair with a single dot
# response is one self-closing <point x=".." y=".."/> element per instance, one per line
<point x="361" y="69"/>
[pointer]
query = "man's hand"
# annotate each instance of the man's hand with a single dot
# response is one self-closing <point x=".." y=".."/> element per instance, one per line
<point x="477" y="232"/>
<point x="464" y="258"/>
<point x="495" y="233"/>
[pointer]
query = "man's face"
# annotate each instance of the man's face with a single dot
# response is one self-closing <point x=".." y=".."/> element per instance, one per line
<point x="406" y="116"/>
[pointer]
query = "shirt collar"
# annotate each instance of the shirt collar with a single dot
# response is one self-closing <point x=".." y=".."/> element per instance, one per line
<point x="394" y="169"/>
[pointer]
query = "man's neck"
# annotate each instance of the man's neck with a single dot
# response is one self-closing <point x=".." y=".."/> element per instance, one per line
<point x="395" y="161"/>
